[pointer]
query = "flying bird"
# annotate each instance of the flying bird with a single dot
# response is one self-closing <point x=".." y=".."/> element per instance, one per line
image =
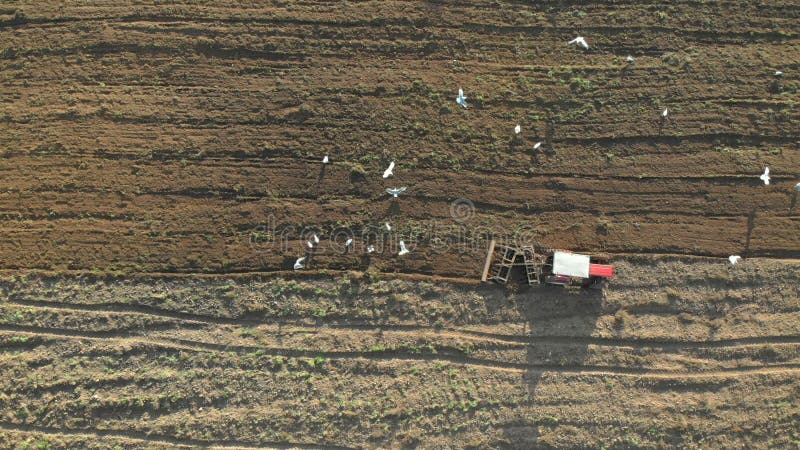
<point x="734" y="259"/>
<point x="325" y="160"/>
<point x="517" y="129"/>
<point x="389" y="172"/>
<point x="461" y="100"/>
<point x="580" y="41"/>
<point x="396" y="191"/>
<point x="665" y="113"/>
<point x="765" y="176"/>
<point x="299" y="263"/>
<point x="403" y="249"/>
<point x="537" y="145"/>
<point x="388" y="227"/>
<point x="630" y="59"/>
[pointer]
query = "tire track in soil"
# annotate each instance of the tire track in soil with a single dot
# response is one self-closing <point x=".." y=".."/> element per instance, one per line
<point x="160" y="439"/>
<point x="137" y="309"/>
<point x="573" y="369"/>
<point x="299" y="326"/>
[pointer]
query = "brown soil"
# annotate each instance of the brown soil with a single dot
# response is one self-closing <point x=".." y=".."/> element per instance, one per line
<point x="161" y="139"/>
<point x="145" y="146"/>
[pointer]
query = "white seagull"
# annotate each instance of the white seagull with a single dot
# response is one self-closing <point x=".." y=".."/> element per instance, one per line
<point x="371" y="249"/>
<point x="396" y="191"/>
<point x="734" y="259"/>
<point x="310" y="244"/>
<point x="537" y="145"/>
<point x="325" y="160"/>
<point x="348" y="242"/>
<point x="299" y="263"/>
<point x="388" y="227"/>
<point x="403" y="249"/>
<point x="665" y="113"/>
<point x="580" y="41"/>
<point x="389" y="172"/>
<point x="630" y="59"/>
<point x="797" y="187"/>
<point x="778" y="73"/>
<point x="765" y="176"/>
<point x="517" y="129"/>
<point x="461" y="100"/>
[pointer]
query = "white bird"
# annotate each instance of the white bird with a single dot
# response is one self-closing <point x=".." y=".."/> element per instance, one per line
<point x="537" y="145"/>
<point x="371" y="249"/>
<point x="734" y="259"/>
<point x="316" y="239"/>
<point x="313" y="241"/>
<point x="461" y="100"/>
<point x="765" y="176"/>
<point x="348" y="242"/>
<point x="325" y="160"/>
<point x="299" y="263"/>
<point x="580" y="41"/>
<point x="403" y="249"/>
<point x="396" y="191"/>
<point x="310" y="244"/>
<point x="389" y="172"/>
<point x="665" y="112"/>
<point x="778" y="73"/>
<point x="388" y="227"/>
<point x="517" y="129"/>
<point x="797" y="187"/>
<point x="630" y="59"/>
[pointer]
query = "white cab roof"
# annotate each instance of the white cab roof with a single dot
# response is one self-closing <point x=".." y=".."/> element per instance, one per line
<point x="571" y="264"/>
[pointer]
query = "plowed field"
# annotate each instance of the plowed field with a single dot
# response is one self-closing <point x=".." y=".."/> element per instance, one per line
<point x="161" y="171"/>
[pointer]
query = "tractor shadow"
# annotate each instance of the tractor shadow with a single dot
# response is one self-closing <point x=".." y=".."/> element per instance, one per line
<point x="558" y="321"/>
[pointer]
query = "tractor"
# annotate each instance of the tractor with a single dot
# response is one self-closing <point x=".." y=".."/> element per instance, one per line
<point x="553" y="267"/>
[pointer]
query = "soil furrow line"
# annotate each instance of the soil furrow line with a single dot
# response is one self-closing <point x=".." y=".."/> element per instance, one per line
<point x="89" y="334"/>
<point x="135" y="309"/>
<point x="482" y="207"/>
<point x="286" y="164"/>
<point x="325" y="274"/>
<point x="712" y="36"/>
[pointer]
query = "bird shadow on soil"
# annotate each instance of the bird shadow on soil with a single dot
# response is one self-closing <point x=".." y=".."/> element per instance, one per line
<point x="557" y="321"/>
<point x="751" y="224"/>
<point x="794" y="202"/>
<point x="394" y="208"/>
<point x="322" y="171"/>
